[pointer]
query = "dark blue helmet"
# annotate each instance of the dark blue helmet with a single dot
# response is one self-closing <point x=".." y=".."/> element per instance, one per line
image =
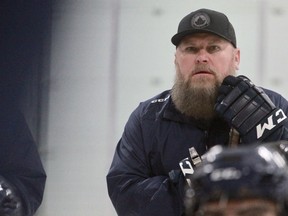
<point x="257" y="171"/>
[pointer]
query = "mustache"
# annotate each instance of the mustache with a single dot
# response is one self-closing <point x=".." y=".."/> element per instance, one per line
<point x="201" y="68"/>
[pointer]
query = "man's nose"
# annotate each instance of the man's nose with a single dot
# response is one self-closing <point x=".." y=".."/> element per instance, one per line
<point x="202" y="57"/>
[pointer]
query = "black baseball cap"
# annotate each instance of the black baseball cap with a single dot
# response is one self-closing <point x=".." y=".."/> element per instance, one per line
<point x="205" y="20"/>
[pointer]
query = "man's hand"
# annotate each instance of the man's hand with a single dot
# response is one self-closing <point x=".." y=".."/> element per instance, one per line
<point x="248" y="109"/>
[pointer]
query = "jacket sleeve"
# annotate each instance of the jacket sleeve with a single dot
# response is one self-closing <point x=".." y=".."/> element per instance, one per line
<point x="133" y="189"/>
<point x="20" y="163"/>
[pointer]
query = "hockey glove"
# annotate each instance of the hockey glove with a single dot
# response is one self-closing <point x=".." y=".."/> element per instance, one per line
<point x="10" y="203"/>
<point x="248" y="109"/>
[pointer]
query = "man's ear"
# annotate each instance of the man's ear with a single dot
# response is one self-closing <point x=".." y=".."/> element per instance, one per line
<point x="237" y="58"/>
<point x="175" y="57"/>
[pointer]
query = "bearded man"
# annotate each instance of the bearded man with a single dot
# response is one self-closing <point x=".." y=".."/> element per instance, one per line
<point x="202" y="62"/>
<point x="206" y="103"/>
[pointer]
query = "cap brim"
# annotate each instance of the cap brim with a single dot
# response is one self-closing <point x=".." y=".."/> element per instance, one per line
<point x="177" y="38"/>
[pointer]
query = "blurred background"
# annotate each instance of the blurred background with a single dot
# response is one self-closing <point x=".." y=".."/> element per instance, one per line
<point x="78" y="68"/>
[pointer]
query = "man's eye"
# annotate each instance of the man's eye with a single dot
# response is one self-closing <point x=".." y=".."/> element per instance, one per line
<point x="191" y="49"/>
<point x="212" y="49"/>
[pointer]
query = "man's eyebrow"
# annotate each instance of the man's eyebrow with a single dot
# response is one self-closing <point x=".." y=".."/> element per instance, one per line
<point x="216" y="40"/>
<point x="193" y="43"/>
<point x="189" y="42"/>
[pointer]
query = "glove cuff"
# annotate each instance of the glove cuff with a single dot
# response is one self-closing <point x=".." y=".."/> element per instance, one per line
<point x="263" y="128"/>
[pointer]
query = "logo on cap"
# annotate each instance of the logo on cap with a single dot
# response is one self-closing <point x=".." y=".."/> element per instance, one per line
<point x="200" y="20"/>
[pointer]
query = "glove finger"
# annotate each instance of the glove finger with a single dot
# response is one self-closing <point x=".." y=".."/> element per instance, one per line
<point x="229" y="99"/>
<point x="224" y="89"/>
<point x="244" y="78"/>
<point x="241" y="103"/>
<point x="220" y="98"/>
<point x="247" y="80"/>
<point x="231" y="80"/>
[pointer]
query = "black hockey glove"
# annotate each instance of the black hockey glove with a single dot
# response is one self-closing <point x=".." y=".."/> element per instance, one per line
<point x="248" y="109"/>
<point x="10" y="203"/>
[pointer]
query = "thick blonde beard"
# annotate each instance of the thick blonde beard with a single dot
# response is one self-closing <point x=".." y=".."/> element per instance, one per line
<point x="196" y="100"/>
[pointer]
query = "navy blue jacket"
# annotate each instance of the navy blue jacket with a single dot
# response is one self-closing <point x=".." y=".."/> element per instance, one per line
<point x="20" y="163"/>
<point x="155" y="139"/>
